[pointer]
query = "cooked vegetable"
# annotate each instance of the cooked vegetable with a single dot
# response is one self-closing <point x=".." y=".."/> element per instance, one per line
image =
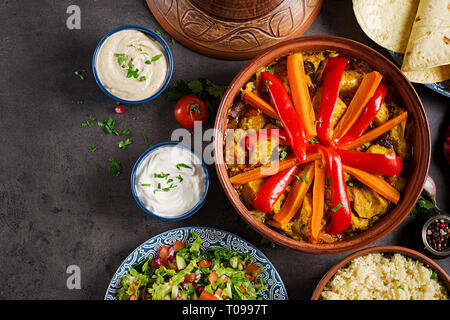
<point x="375" y="182"/>
<point x="375" y="133"/>
<point x="295" y="198"/>
<point x="370" y="112"/>
<point x="189" y="273"/>
<point x="287" y="113"/>
<point x="340" y="212"/>
<point x="300" y="93"/>
<point x="271" y="169"/>
<point x="373" y="162"/>
<point x="272" y="190"/>
<point x="332" y="76"/>
<point x="254" y="138"/>
<point x="362" y="96"/>
<point x="258" y="103"/>
<point x="318" y="200"/>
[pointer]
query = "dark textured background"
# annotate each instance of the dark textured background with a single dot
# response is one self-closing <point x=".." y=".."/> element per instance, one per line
<point x="58" y="203"/>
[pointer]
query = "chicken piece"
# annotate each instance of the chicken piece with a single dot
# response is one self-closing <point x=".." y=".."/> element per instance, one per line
<point x="254" y="121"/>
<point x="376" y="148"/>
<point x="234" y="149"/>
<point x="397" y="136"/>
<point x="262" y="152"/>
<point x="397" y="181"/>
<point x="382" y="115"/>
<point x="338" y="110"/>
<point x="359" y="223"/>
<point x="367" y="203"/>
<point x="249" y="190"/>
<point x="350" y="82"/>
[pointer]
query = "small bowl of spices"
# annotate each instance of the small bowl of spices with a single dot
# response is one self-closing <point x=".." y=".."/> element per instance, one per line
<point x="435" y="235"/>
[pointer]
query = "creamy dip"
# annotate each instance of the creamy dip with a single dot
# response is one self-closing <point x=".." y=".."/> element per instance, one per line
<point x="131" y="65"/>
<point x="170" y="181"/>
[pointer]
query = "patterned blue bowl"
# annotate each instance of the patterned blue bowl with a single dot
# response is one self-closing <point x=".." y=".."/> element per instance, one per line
<point x="211" y="238"/>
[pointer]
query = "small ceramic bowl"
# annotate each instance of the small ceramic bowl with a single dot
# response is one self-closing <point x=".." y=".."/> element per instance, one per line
<point x="152" y="34"/>
<point x="444" y="253"/>
<point x="417" y="168"/>
<point x="442" y="275"/>
<point x="183" y="215"/>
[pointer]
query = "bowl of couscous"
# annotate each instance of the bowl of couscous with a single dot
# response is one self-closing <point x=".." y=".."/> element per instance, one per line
<point x="384" y="273"/>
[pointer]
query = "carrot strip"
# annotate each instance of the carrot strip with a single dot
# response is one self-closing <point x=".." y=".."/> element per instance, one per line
<point x="375" y="133"/>
<point x="318" y="199"/>
<point x="271" y="169"/>
<point x="375" y="182"/>
<point x="295" y="198"/>
<point x="258" y="103"/>
<point x="364" y="93"/>
<point x="300" y="93"/>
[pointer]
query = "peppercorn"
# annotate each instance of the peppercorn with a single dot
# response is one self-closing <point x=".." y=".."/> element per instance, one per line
<point x="437" y="234"/>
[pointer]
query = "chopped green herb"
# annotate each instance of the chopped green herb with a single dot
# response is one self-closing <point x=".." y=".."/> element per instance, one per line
<point x="153" y="59"/>
<point x="158" y="32"/>
<point x="283" y="153"/>
<point x="149" y="144"/>
<point x="125" y="132"/>
<point x="182" y="165"/>
<point x="337" y="207"/>
<point x="172" y="40"/>
<point x="434" y="275"/>
<point x="109" y="125"/>
<point x="116" y="167"/>
<point x="124" y="143"/>
<point x="92" y="148"/>
<point x="305" y="177"/>
<point x="314" y="141"/>
<point x="80" y="73"/>
<point x="179" y="177"/>
<point x="80" y="102"/>
<point x="317" y="121"/>
<point x="400" y="287"/>
<point x="121" y="58"/>
<point x="145" y="184"/>
<point x="327" y="179"/>
<point x="131" y="72"/>
<point x="143" y="78"/>
<point x="161" y="175"/>
<point x="298" y="178"/>
<point x="91" y="117"/>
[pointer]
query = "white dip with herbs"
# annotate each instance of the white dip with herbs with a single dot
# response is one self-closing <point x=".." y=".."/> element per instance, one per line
<point x="131" y="65"/>
<point x="170" y="181"/>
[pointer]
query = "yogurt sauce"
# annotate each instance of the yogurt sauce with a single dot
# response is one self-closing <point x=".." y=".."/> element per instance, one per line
<point x="131" y="65"/>
<point x="170" y="181"/>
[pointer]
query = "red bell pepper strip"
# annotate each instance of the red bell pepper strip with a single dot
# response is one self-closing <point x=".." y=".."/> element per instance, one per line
<point x="334" y="69"/>
<point x="272" y="189"/>
<point x="254" y="137"/>
<point x="386" y="165"/>
<point x="287" y="113"/>
<point x="369" y="113"/>
<point x="341" y="217"/>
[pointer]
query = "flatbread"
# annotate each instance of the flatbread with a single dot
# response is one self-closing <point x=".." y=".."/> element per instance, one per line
<point x="432" y="75"/>
<point x="429" y="42"/>
<point x="387" y="22"/>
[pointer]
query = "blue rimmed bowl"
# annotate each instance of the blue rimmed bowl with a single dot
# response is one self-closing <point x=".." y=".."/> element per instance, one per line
<point x="152" y="34"/>
<point x="211" y="238"/>
<point x="183" y="215"/>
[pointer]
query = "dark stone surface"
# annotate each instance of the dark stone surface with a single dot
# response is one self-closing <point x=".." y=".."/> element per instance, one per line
<point x="59" y="205"/>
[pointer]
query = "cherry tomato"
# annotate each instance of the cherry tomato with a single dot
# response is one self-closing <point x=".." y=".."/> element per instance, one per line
<point x="190" y="108"/>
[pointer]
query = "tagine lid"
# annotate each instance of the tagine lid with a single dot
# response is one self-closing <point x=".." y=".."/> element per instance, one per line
<point x="234" y="29"/>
